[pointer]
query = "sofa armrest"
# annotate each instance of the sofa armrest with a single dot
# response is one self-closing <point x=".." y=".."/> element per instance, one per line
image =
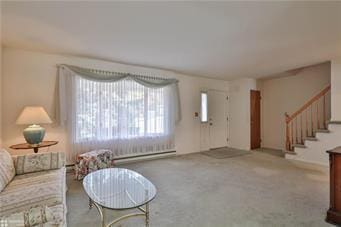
<point x="30" y="163"/>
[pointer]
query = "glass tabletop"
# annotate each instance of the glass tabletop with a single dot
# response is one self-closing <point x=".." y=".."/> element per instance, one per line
<point x="117" y="188"/>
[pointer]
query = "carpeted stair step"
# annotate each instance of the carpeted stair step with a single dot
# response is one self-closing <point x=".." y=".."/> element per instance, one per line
<point x="299" y="145"/>
<point x="334" y="122"/>
<point x="290" y="152"/>
<point x="311" y="138"/>
<point x="323" y="131"/>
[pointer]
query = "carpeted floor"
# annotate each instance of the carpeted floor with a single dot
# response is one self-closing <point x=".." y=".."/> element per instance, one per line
<point x="276" y="152"/>
<point x="225" y="152"/>
<point x="196" y="190"/>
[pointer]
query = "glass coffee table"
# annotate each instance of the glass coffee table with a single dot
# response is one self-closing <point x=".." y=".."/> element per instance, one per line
<point x="119" y="189"/>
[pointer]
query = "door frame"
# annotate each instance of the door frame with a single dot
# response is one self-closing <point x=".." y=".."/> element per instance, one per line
<point x="204" y="126"/>
<point x="226" y="103"/>
<point x="251" y="131"/>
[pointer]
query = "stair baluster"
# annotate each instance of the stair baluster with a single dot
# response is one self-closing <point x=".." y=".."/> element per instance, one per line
<point x="297" y="135"/>
<point x="324" y="111"/>
<point x="317" y="114"/>
<point x="306" y="123"/>
<point x="292" y="134"/>
<point x="312" y="121"/>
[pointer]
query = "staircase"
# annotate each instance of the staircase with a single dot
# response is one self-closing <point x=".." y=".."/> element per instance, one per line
<point x="309" y="133"/>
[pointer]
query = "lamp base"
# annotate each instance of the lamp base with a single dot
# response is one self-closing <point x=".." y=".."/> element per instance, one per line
<point x="34" y="134"/>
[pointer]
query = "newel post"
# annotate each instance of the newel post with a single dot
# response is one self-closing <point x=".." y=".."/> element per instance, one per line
<point x="287" y="132"/>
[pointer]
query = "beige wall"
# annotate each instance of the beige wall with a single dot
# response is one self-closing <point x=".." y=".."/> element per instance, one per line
<point x="0" y="74"/>
<point x="29" y="79"/>
<point x="0" y="92"/>
<point x="239" y="112"/>
<point x="287" y="94"/>
<point x="336" y="88"/>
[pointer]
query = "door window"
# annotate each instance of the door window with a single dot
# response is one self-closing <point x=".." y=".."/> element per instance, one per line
<point x="204" y="109"/>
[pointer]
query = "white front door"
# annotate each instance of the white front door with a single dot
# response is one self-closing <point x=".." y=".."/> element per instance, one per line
<point x="217" y="112"/>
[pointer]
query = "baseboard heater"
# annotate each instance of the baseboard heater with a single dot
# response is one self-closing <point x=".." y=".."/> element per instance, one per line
<point x="140" y="157"/>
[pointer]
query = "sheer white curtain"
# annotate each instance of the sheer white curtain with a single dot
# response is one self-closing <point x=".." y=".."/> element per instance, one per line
<point x="123" y="116"/>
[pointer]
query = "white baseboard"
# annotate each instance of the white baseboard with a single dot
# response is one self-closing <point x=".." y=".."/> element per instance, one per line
<point x="144" y="157"/>
<point x="136" y="158"/>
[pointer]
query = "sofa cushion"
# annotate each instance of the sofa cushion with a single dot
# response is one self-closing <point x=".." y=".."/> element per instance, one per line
<point x="30" y="163"/>
<point x="59" y="213"/>
<point x="45" y="188"/>
<point x="58" y="219"/>
<point x="7" y="170"/>
<point x="34" y="216"/>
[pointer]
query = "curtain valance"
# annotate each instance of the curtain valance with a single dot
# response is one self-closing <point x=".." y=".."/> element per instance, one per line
<point x="108" y="76"/>
<point x="65" y="71"/>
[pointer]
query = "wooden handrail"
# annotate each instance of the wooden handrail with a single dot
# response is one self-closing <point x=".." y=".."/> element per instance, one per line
<point x="294" y="123"/>
<point x="306" y="105"/>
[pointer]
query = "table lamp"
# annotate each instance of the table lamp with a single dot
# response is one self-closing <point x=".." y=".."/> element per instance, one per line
<point x="32" y="116"/>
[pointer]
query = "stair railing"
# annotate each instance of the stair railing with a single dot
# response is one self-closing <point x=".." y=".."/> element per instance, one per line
<point x="304" y="123"/>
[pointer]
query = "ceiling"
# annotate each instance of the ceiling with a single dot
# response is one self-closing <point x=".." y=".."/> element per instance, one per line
<point x="224" y="40"/>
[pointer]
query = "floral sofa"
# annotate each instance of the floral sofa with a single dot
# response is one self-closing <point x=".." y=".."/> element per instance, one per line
<point x="33" y="187"/>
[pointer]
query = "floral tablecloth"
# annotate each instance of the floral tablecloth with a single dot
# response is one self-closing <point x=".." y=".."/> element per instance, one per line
<point x="92" y="161"/>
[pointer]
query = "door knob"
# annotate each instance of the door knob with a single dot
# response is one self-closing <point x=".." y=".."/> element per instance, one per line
<point x="211" y="123"/>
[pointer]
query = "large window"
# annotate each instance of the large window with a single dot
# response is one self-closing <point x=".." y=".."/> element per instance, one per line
<point x="119" y="111"/>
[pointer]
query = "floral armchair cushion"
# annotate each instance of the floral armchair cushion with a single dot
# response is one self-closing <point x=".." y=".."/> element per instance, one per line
<point x="30" y="163"/>
<point x="92" y="161"/>
<point x="7" y="170"/>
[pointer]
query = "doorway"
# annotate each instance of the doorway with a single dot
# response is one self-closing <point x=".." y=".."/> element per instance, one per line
<point x="217" y="119"/>
<point x="255" y="119"/>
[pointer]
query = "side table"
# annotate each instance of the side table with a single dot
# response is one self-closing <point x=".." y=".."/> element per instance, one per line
<point x="334" y="212"/>
<point x="34" y="147"/>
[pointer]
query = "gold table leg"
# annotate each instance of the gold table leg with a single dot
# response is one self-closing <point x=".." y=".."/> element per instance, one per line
<point x="147" y="214"/>
<point x="100" y="211"/>
<point x="144" y="212"/>
<point x="90" y="204"/>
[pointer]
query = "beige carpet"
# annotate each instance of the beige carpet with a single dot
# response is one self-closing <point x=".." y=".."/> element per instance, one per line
<point x="225" y="152"/>
<point x="196" y="190"/>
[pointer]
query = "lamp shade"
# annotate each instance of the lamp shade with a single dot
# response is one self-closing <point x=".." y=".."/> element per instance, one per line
<point x="33" y="115"/>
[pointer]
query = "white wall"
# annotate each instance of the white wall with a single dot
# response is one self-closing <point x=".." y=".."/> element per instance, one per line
<point x="288" y="93"/>
<point x="29" y="79"/>
<point x="336" y="89"/>
<point x="239" y="112"/>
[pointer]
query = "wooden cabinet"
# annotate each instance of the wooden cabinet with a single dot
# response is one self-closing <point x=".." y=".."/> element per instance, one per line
<point x="334" y="212"/>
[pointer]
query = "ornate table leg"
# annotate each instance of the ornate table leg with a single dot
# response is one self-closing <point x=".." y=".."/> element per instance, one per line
<point x="90" y="204"/>
<point x="147" y="215"/>
<point x="100" y="211"/>
<point x="103" y="217"/>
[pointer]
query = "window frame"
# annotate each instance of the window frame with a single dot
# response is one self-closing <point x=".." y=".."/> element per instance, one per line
<point x="79" y="138"/>
<point x="205" y="93"/>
